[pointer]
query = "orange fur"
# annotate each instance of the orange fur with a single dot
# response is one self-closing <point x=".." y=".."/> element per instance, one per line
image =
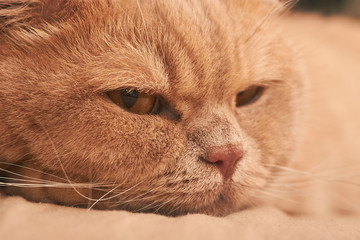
<point x="58" y="58"/>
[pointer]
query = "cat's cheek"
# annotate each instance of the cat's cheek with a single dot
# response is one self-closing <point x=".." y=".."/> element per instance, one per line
<point x="102" y="142"/>
<point x="250" y="171"/>
<point x="154" y="153"/>
<point x="251" y="156"/>
<point x="270" y="122"/>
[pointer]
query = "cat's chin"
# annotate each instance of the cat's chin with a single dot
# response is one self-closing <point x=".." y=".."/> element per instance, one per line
<point x="228" y="200"/>
<point x="223" y="200"/>
<point x="220" y="198"/>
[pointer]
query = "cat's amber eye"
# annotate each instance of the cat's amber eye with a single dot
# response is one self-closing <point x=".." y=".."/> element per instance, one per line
<point x="248" y="96"/>
<point x="134" y="101"/>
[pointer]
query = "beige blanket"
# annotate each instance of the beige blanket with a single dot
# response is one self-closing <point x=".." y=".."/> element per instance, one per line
<point x="332" y="55"/>
<point x="23" y="220"/>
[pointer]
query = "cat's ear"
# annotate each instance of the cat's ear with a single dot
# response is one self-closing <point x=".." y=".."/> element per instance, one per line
<point x="24" y="14"/>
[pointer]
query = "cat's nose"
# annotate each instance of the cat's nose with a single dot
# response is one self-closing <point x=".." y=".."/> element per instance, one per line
<point x="225" y="159"/>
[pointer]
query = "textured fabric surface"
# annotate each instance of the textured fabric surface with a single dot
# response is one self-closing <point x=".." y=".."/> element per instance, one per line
<point x="23" y="220"/>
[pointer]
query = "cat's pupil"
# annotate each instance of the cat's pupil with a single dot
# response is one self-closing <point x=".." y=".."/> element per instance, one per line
<point x="129" y="97"/>
<point x="248" y="96"/>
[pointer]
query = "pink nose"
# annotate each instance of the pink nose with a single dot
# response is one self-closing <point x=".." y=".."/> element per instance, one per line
<point x="225" y="159"/>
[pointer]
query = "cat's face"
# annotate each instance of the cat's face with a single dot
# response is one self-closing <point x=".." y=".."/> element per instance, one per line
<point x="165" y="106"/>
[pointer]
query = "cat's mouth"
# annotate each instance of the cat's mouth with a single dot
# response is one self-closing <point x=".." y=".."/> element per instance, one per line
<point x="221" y="201"/>
<point x="230" y="197"/>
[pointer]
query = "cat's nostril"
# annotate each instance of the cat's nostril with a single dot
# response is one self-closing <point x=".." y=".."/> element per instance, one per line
<point x="225" y="159"/>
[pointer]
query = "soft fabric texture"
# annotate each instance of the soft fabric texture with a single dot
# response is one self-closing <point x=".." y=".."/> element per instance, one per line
<point x="23" y="220"/>
<point x="332" y="55"/>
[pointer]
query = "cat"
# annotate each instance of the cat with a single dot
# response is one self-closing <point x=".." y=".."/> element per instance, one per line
<point x="172" y="107"/>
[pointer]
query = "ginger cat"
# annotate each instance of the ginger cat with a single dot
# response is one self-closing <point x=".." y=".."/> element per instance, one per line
<point x="162" y="106"/>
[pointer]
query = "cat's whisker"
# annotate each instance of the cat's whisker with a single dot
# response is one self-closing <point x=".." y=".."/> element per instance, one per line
<point x="307" y="180"/>
<point x="123" y="192"/>
<point x="156" y="205"/>
<point x="318" y="166"/>
<point x="25" y="185"/>
<point x="32" y="169"/>
<point x="164" y="204"/>
<point x="276" y="185"/>
<point x="321" y="172"/>
<point x="102" y="198"/>
<point x="62" y="166"/>
<point x="311" y="175"/>
<point x="269" y="187"/>
<point x="41" y="185"/>
<point x="17" y="174"/>
<point x="46" y="185"/>
<point x="278" y="180"/>
<point x="290" y="186"/>
<point x="90" y="191"/>
<point x="276" y="195"/>
<point x="289" y="178"/>
<point x="335" y="193"/>
<point x="180" y="203"/>
<point x="148" y="206"/>
<point x="174" y="209"/>
<point x="248" y="200"/>
<point x="20" y="180"/>
<point x="286" y="190"/>
<point x="291" y="171"/>
<point x="139" y="197"/>
<point x="25" y="178"/>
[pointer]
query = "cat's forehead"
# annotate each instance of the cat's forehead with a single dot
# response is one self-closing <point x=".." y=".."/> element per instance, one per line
<point x="184" y="48"/>
<point x="190" y="48"/>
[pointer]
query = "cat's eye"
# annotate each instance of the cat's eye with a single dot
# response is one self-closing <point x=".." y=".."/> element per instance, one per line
<point x="135" y="101"/>
<point x="248" y="96"/>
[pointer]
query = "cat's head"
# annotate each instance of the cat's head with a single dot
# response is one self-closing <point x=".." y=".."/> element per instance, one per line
<point x="167" y="106"/>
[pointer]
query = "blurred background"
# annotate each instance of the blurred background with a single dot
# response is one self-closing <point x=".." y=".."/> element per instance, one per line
<point x="329" y="7"/>
<point x="329" y="43"/>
